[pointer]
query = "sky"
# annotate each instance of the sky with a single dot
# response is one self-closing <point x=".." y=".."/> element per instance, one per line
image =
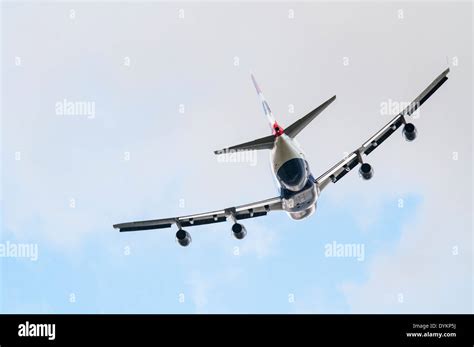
<point x="165" y="84"/>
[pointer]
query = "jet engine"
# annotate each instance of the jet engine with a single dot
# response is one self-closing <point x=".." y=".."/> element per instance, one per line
<point x="409" y="131"/>
<point x="183" y="237"/>
<point x="239" y="231"/>
<point x="366" y="171"/>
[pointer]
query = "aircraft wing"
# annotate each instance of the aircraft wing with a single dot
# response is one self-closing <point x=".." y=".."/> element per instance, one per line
<point x="343" y="167"/>
<point x="256" y="209"/>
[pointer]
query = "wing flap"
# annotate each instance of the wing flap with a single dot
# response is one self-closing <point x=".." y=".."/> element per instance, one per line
<point x="250" y="215"/>
<point x="382" y="135"/>
<point x="142" y="228"/>
<point x="425" y="94"/>
<point x="203" y="221"/>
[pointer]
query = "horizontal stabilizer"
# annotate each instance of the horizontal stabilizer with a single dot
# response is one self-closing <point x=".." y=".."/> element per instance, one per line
<point x="262" y="143"/>
<point x="301" y="123"/>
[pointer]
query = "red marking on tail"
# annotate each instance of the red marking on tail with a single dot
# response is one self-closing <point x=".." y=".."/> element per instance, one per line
<point x="277" y="130"/>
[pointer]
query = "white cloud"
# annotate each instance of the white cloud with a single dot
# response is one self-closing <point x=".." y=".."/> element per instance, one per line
<point x="200" y="288"/>
<point x="261" y="241"/>
<point x="424" y="271"/>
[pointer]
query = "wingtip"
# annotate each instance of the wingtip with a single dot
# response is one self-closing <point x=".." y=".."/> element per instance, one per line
<point x="255" y="84"/>
<point x="331" y="99"/>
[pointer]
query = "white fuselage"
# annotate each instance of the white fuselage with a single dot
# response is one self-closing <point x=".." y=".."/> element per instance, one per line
<point x="291" y="170"/>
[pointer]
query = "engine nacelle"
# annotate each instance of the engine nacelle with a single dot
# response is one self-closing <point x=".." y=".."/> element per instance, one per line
<point x="366" y="171"/>
<point x="409" y="131"/>
<point x="239" y="231"/>
<point x="183" y="237"/>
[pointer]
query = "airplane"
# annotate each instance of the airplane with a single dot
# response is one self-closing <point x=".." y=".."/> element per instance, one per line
<point x="298" y="188"/>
